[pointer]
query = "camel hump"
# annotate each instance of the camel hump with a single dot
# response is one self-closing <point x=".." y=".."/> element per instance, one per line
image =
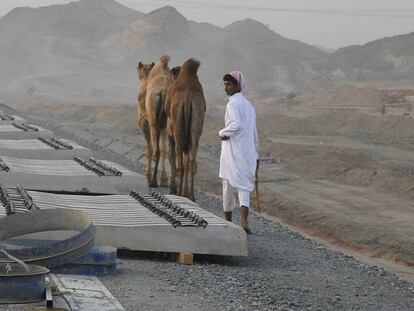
<point x="164" y="61"/>
<point x="190" y="66"/>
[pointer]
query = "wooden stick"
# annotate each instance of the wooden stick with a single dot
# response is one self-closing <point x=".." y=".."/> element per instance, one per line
<point x="256" y="186"/>
<point x="141" y="156"/>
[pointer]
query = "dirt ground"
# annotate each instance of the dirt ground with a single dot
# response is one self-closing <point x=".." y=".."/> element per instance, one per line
<point x="336" y="169"/>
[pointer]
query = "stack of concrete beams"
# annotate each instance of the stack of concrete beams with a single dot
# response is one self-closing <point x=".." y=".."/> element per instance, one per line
<point x="123" y="220"/>
<point x="124" y="223"/>
<point x="39" y="171"/>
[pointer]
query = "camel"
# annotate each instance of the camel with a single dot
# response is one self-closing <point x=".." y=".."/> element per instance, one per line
<point x="158" y="82"/>
<point x="143" y="72"/>
<point x="174" y="72"/>
<point x="185" y="106"/>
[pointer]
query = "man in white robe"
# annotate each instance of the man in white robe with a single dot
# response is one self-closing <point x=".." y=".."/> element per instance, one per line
<point x="239" y="149"/>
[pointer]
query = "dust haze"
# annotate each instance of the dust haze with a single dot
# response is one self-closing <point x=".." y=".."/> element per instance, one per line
<point x="336" y="127"/>
<point x="330" y="24"/>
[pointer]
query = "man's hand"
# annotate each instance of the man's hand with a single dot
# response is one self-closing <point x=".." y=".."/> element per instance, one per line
<point x="257" y="164"/>
<point x="223" y="138"/>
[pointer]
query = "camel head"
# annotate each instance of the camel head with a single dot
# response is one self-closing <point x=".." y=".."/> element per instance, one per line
<point x="164" y="59"/>
<point x="175" y="71"/>
<point x="161" y="68"/>
<point x="144" y="70"/>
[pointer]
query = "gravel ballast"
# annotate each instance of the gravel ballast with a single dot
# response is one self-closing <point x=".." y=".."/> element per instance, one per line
<point x="284" y="271"/>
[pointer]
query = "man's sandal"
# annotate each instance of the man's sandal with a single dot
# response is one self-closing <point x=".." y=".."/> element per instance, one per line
<point x="247" y="230"/>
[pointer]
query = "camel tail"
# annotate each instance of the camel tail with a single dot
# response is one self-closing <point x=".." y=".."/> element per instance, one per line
<point x="161" y="116"/>
<point x="164" y="61"/>
<point x="187" y="117"/>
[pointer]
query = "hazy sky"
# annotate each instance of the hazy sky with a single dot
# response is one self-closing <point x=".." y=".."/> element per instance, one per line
<point x="329" y="23"/>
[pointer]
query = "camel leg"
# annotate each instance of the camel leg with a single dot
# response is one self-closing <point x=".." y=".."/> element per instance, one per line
<point x="150" y="159"/>
<point x="155" y="137"/>
<point x="186" y="174"/>
<point x="180" y="154"/>
<point x="164" y="177"/>
<point x="193" y="166"/>
<point x="148" y="150"/>
<point x="172" y="159"/>
<point x="179" y="171"/>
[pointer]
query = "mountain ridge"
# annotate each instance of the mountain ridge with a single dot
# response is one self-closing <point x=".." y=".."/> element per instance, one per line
<point x="87" y="51"/>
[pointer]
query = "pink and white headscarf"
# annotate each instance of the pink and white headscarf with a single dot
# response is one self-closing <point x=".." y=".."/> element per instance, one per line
<point x="240" y="79"/>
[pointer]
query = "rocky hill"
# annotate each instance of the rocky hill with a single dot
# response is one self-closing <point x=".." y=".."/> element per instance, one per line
<point x="389" y="60"/>
<point x="60" y="35"/>
<point x="268" y="59"/>
<point x="87" y="51"/>
<point x="52" y="53"/>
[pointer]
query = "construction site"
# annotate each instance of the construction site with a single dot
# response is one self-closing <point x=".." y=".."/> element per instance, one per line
<point x="96" y="216"/>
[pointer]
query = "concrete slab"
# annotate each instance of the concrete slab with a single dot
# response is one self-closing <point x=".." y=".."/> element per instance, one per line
<point x="124" y="223"/>
<point x="76" y="293"/>
<point x="37" y="149"/>
<point x="10" y="131"/>
<point x="68" y="176"/>
<point x="86" y="293"/>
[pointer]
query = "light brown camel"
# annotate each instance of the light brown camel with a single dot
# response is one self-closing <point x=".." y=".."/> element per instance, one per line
<point x="159" y="80"/>
<point x="174" y="74"/>
<point x="185" y="106"/>
<point x="143" y="72"/>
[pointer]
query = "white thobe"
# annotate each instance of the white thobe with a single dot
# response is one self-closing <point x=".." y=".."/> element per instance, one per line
<point x="240" y="152"/>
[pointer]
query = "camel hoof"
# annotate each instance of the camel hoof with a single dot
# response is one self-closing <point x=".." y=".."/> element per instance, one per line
<point x="153" y="184"/>
<point x="190" y="197"/>
<point x="173" y="189"/>
<point x="147" y="171"/>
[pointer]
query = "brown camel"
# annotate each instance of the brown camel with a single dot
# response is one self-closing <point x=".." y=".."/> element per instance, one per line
<point x="185" y="106"/>
<point x="143" y="72"/>
<point x="159" y="80"/>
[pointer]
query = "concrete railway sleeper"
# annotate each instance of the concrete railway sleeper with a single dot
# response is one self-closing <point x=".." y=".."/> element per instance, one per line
<point x="186" y="217"/>
<point x="176" y="215"/>
<point x="194" y="217"/>
<point x="98" y="167"/>
<point x="26" y="127"/>
<point x="4" y="166"/>
<point x="16" y="200"/>
<point x="56" y="143"/>
<point x="6" y="117"/>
